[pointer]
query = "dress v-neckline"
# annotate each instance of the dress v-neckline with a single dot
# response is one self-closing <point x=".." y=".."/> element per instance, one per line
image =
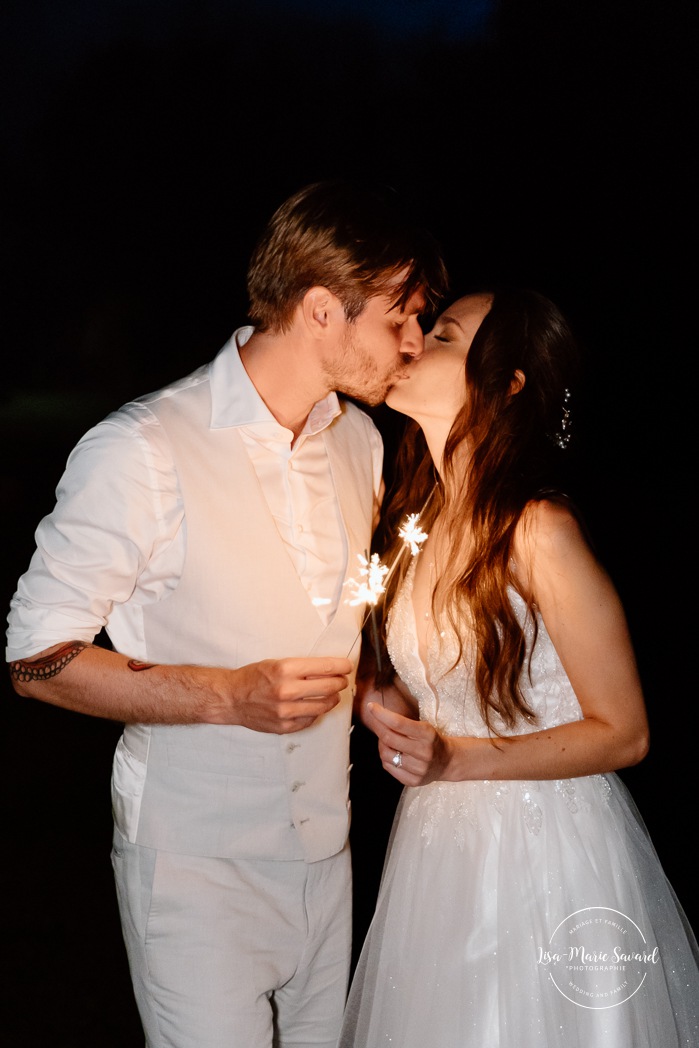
<point x="409" y="580"/>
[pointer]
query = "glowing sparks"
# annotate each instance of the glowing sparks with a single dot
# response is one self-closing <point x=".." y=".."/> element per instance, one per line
<point x="412" y="535"/>
<point x="370" y="586"/>
<point x="374" y="576"/>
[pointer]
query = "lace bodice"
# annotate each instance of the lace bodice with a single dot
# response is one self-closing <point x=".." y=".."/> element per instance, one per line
<point x="451" y="704"/>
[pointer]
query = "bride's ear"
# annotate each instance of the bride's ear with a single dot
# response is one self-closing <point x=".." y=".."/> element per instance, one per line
<point x="517" y="382"/>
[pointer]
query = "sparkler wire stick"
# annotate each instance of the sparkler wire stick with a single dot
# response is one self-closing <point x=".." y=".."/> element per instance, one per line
<point x="374" y="626"/>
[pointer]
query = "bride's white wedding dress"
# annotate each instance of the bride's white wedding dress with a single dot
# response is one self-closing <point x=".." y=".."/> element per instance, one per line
<point x="518" y="914"/>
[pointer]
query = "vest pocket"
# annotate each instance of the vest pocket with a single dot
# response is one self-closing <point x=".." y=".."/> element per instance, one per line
<point x="220" y="750"/>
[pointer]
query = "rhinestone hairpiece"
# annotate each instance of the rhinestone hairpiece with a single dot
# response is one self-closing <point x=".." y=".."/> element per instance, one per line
<point x="562" y="437"/>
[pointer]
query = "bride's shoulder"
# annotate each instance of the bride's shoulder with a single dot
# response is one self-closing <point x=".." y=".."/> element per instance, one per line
<point x="548" y="516"/>
<point x="549" y="529"/>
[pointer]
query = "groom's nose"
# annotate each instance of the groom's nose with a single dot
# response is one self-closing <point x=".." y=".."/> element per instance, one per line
<point x="413" y="341"/>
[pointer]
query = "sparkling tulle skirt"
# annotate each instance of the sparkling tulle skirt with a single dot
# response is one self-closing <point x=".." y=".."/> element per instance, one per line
<point x="524" y="915"/>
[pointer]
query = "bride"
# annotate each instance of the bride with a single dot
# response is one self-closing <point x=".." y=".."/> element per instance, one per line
<point x="522" y="904"/>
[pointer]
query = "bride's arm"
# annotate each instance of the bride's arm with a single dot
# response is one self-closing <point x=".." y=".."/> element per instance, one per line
<point x="585" y="619"/>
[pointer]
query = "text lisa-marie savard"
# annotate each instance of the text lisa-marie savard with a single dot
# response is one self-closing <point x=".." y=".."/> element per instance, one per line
<point x="580" y="955"/>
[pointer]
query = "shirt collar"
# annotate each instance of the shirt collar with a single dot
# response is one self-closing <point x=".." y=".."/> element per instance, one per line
<point x="236" y="402"/>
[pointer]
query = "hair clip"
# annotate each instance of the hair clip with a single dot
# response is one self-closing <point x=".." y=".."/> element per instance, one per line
<point x="562" y="437"/>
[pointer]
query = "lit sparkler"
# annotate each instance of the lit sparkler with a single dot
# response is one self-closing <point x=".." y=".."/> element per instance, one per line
<point x="412" y="535"/>
<point x="368" y="591"/>
<point x="373" y="577"/>
<point x="372" y="572"/>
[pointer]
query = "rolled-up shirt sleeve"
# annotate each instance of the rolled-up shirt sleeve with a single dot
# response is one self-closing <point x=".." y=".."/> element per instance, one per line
<point x="113" y="542"/>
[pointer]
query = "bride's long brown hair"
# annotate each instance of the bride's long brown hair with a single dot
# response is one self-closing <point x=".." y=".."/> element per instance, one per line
<point x="514" y="444"/>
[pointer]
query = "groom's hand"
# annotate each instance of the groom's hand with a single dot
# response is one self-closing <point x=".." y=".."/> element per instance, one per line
<point x="283" y="695"/>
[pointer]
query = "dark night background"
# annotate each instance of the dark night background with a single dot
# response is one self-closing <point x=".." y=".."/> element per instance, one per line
<point x="145" y="142"/>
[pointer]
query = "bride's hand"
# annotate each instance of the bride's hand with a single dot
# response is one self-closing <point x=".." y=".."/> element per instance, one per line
<point x="393" y="696"/>
<point x="424" y="753"/>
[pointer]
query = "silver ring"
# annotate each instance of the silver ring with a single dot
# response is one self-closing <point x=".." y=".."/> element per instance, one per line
<point x="397" y="761"/>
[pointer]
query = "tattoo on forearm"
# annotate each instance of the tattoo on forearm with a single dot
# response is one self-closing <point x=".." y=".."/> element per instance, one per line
<point x="137" y="666"/>
<point x="48" y="666"/>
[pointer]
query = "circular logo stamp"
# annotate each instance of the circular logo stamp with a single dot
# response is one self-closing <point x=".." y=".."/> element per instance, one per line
<point x="598" y="957"/>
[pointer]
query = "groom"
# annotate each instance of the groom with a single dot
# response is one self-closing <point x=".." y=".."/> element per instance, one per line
<point x="210" y="528"/>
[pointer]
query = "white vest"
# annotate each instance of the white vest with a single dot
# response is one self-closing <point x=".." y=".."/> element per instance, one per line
<point x="229" y="791"/>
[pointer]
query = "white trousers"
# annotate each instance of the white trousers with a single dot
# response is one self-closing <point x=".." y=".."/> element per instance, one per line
<point x="232" y="953"/>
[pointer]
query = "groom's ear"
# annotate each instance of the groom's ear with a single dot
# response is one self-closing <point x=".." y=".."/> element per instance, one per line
<point x="517" y="382"/>
<point x="320" y="310"/>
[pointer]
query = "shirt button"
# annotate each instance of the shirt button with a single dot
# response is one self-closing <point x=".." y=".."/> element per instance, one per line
<point x="297" y="786"/>
<point x="292" y="746"/>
